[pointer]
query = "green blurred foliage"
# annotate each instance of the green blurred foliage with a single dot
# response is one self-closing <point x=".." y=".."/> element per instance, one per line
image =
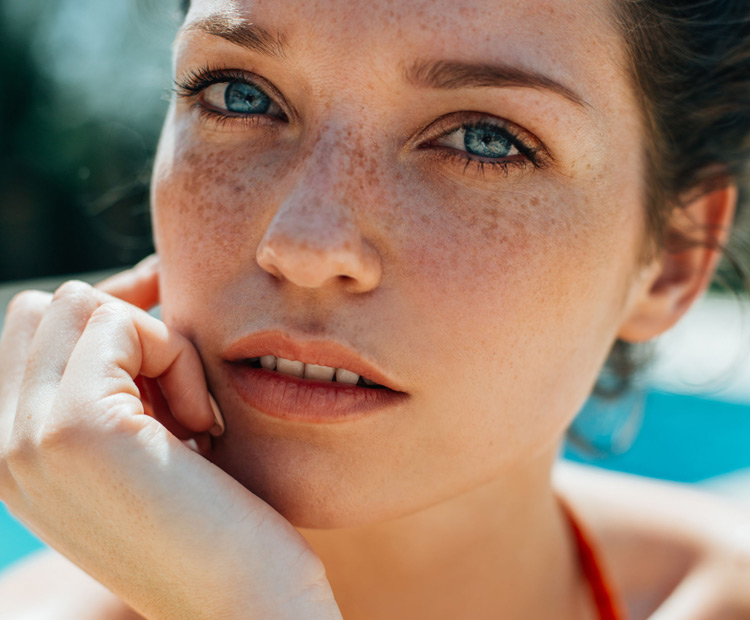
<point x="82" y="98"/>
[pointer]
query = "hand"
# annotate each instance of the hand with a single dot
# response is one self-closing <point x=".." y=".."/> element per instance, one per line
<point x="84" y="467"/>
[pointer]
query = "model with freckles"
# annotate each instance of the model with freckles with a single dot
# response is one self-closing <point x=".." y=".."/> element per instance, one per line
<point x="397" y="242"/>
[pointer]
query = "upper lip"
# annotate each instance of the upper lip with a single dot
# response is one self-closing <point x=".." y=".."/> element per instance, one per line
<point x="321" y="352"/>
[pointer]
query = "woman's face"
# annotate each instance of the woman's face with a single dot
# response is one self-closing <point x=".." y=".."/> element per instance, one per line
<point x="450" y="190"/>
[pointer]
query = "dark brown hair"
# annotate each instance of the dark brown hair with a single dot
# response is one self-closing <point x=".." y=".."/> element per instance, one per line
<point x="689" y="61"/>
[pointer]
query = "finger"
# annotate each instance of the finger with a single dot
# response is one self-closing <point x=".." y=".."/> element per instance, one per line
<point x="22" y="319"/>
<point x="58" y="334"/>
<point x="137" y="343"/>
<point x="156" y="406"/>
<point x="138" y="286"/>
<point x="54" y="341"/>
<point x="23" y="316"/>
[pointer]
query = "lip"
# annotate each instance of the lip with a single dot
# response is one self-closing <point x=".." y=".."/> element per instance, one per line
<point x="307" y="400"/>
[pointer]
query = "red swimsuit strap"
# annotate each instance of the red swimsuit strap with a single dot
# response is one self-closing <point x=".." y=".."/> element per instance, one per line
<point x="605" y="595"/>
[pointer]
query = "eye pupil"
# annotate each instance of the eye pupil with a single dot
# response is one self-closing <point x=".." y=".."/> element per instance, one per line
<point x="246" y="99"/>
<point x="486" y="141"/>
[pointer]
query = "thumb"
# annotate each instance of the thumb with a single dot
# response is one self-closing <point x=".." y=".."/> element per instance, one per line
<point x="138" y="285"/>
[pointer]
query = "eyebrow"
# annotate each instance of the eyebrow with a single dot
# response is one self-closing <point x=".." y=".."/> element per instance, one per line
<point x="452" y="75"/>
<point x="240" y="32"/>
<point x="434" y="74"/>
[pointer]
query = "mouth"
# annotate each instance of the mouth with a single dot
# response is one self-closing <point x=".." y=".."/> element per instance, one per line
<point x="314" y="372"/>
<point x="308" y="381"/>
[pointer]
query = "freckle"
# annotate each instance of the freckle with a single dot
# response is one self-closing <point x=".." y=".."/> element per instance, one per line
<point x="491" y="213"/>
<point x="470" y="220"/>
<point x="490" y="230"/>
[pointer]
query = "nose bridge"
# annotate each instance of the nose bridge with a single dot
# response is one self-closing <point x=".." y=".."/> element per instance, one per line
<point x="314" y="235"/>
<point x="319" y="210"/>
<point x="331" y="161"/>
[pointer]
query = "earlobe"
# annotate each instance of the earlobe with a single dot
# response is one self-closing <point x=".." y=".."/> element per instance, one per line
<point x="682" y="271"/>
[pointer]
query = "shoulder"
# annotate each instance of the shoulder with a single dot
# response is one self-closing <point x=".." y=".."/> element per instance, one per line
<point x="46" y="586"/>
<point x="653" y="535"/>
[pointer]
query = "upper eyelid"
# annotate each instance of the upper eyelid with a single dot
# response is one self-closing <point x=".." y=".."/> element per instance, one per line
<point x="474" y="118"/>
<point x="445" y="125"/>
<point x="221" y="75"/>
<point x="514" y="141"/>
<point x="438" y="127"/>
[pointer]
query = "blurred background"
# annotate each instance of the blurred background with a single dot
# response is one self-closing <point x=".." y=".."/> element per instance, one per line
<point x="84" y="91"/>
<point x="82" y="97"/>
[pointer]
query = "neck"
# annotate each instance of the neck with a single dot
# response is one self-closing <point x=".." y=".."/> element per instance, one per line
<point x="500" y="550"/>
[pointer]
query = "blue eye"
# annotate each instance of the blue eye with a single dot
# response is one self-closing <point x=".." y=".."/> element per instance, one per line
<point x="240" y="97"/>
<point x="481" y="140"/>
<point x="486" y="141"/>
<point x="245" y="98"/>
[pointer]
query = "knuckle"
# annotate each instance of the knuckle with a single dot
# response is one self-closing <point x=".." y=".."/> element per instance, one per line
<point x="55" y="443"/>
<point x="55" y="438"/>
<point x="122" y="416"/>
<point x="75" y="293"/>
<point x="29" y="302"/>
<point x="33" y="454"/>
<point x="108" y="312"/>
<point x="19" y="457"/>
<point x="31" y="449"/>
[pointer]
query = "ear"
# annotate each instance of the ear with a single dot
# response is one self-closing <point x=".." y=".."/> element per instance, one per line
<point x="683" y="270"/>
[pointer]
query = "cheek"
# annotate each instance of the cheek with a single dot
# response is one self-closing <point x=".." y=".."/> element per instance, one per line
<point x="522" y="299"/>
<point x="525" y="246"/>
<point x="201" y="197"/>
<point x="208" y="208"/>
<point x="537" y="250"/>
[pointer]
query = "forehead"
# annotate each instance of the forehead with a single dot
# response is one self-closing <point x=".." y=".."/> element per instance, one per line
<point x="574" y="42"/>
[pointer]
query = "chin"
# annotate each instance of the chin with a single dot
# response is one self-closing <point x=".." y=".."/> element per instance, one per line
<point x="305" y="484"/>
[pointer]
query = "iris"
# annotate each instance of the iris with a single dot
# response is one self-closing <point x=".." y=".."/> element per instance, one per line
<point x="486" y="141"/>
<point x="245" y="98"/>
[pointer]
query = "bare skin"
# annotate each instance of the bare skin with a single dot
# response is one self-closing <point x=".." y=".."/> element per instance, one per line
<point x="694" y="571"/>
<point x="488" y="286"/>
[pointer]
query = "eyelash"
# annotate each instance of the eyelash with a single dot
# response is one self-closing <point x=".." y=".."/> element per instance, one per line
<point x="195" y="82"/>
<point x="532" y="152"/>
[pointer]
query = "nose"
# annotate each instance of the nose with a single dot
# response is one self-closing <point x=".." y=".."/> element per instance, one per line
<point x="314" y="240"/>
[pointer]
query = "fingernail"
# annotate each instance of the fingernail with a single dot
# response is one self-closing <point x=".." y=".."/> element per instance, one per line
<point x="218" y="428"/>
<point x="191" y="443"/>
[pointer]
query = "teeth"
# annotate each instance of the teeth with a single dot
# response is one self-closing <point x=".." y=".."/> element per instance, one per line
<point x="321" y="373"/>
<point x="346" y="376"/>
<point x="310" y="371"/>
<point x="290" y="367"/>
<point x="268" y="361"/>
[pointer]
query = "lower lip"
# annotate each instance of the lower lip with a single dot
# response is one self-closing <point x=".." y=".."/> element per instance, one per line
<point x="305" y="400"/>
